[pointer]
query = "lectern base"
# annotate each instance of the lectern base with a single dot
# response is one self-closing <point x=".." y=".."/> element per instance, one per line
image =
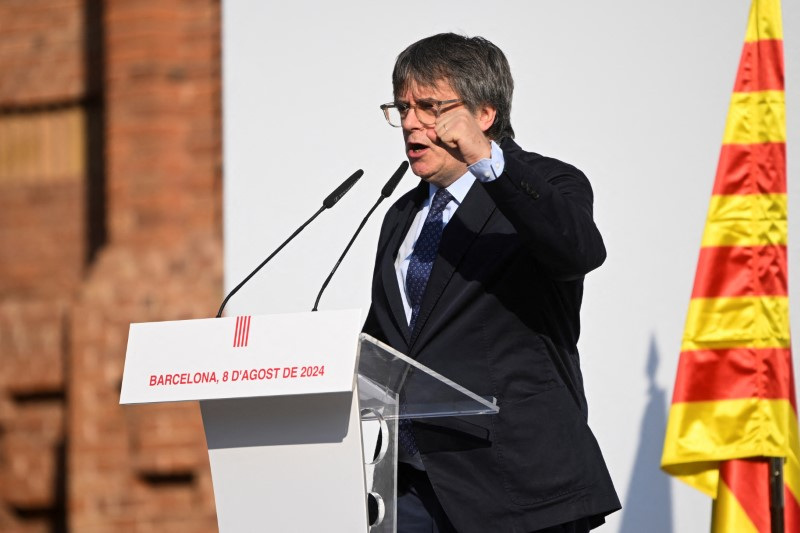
<point x="286" y="463"/>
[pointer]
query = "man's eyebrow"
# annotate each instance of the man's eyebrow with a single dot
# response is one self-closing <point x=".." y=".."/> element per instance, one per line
<point x="430" y="101"/>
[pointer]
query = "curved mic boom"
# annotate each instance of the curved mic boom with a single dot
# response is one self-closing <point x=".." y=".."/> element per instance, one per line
<point x="329" y="202"/>
<point x="387" y="191"/>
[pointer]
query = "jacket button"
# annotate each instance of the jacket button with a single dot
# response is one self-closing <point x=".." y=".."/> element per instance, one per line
<point x="529" y="190"/>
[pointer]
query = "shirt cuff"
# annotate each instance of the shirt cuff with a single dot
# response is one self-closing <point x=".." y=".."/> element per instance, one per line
<point x="487" y="169"/>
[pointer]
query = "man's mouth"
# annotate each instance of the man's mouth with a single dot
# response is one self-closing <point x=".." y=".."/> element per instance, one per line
<point x="415" y="149"/>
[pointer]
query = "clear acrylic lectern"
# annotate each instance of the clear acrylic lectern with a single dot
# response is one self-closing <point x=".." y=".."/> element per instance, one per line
<point x="392" y="386"/>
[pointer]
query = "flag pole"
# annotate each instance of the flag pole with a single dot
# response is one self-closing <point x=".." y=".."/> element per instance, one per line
<point x="776" y="494"/>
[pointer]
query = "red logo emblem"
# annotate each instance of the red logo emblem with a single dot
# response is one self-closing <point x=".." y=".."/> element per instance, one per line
<point x="242" y="332"/>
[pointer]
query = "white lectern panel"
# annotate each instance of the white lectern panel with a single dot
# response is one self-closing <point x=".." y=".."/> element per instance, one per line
<point x="240" y="357"/>
<point x="287" y="463"/>
<point x="279" y="410"/>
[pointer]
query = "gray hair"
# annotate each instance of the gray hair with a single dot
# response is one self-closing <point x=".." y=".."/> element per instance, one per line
<point x="476" y="69"/>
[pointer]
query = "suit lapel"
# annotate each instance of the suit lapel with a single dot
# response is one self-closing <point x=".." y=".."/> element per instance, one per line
<point x="388" y="273"/>
<point x="467" y="223"/>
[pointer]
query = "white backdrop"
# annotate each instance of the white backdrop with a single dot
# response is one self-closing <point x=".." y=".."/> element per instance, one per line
<point x="633" y="93"/>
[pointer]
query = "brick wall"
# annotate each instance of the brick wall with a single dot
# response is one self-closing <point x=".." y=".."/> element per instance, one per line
<point x="146" y="468"/>
<point x="142" y="468"/>
<point x="42" y="250"/>
<point x="42" y="202"/>
<point x="41" y="51"/>
<point x="163" y="77"/>
<point x="110" y="195"/>
<point x="32" y="414"/>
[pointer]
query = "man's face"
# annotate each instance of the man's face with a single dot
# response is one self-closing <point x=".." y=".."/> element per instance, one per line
<point x="429" y="158"/>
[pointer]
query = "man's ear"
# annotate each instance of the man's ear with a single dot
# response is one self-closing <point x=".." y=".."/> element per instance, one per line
<point x="485" y="116"/>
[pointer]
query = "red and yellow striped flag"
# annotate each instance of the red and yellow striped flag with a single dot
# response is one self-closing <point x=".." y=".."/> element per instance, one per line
<point x="734" y="398"/>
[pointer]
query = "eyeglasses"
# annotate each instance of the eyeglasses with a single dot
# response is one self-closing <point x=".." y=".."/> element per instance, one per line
<point x="427" y="111"/>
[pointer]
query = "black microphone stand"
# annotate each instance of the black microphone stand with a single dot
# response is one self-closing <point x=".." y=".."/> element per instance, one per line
<point x="329" y="202"/>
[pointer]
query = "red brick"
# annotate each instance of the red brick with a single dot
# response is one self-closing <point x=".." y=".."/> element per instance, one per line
<point x="41" y="53"/>
<point x="63" y="322"/>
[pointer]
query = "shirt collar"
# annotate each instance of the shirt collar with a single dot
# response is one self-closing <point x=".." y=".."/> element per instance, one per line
<point x="458" y="188"/>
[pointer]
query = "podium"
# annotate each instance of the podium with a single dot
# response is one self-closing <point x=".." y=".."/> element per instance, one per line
<point x="300" y="413"/>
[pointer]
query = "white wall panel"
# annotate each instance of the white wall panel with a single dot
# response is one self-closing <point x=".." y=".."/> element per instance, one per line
<point x="634" y="93"/>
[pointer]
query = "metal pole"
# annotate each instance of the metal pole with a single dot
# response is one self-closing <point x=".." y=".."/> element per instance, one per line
<point x="776" y="494"/>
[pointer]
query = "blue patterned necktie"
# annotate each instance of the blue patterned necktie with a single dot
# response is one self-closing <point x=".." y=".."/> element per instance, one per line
<point x="424" y="254"/>
<point x="419" y="270"/>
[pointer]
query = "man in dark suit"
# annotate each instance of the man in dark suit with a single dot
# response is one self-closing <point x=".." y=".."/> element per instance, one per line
<point x="479" y="276"/>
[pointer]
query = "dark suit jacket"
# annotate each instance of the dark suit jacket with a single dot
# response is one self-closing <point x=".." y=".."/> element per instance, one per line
<point x="500" y="316"/>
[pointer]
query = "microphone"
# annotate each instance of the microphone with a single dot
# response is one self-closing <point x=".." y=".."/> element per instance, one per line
<point x="327" y="203"/>
<point x="342" y="189"/>
<point x="386" y="192"/>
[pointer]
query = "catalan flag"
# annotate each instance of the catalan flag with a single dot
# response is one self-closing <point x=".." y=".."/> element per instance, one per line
<point x="734" y="399"/>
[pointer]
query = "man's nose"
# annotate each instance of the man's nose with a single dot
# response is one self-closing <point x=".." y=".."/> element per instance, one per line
<point x="410" y="121"/>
